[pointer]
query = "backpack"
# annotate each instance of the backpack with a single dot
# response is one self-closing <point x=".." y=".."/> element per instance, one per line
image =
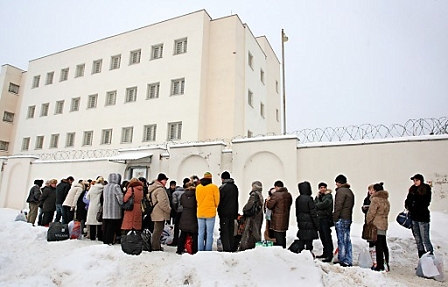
<point x="146" y="205"/>
<point x="256" y="207"/>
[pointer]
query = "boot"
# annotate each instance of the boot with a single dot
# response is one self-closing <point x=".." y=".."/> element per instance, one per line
<point x="420" y="253"/>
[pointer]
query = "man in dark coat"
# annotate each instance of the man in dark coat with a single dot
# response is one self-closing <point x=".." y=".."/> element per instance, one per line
<point x="324" y="207"/>
<point x="306" y="217"/>
<point x="342" y="218"/>
<point x="61" y="193"/>
<point x="280" y="203"/>
<point x="227" y="211"/>
<point x="33" y="200"/>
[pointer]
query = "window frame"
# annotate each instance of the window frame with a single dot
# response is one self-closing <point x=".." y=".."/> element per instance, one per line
<point x="262" y="110"/>
<point x="31" y="112"/>
<point x="157" y="52"/>
<point x="111" y="95"/>
<point x="50" y="78"/>
<point x="174" y="83"/>
<point x="36" y="80"/>
<point x="39" y="142"/>
<point x="87" y="138"/>
<point x="250" y="60"/>
<point x="149" y="133"/>
<point x="13" y="88"/>
<point x="4" y="145"/>
<point x="25" y="144"/>
<point x="59" y="107"/>
<point x="92" y="101"/>
<point x="262" y="75"/>
<point x="97" y="66"/>
<point x="180" y="46"/>
<point x="106" y="136"/>
<point x="75" y="104"/>
<point x="250" y="98"/>
<point x="115" y="62"/>
<point x="155" y="93"/>
<point x="174" y="131"/>
<point x="80" y="70"/>
<point x="126" y="135"/>
<point x="54" y="141"/>
<point x="131" y="95"/>
<point x="64" y="74"/>
<point x="8" y="117"/>
<point x="135" y="57"/>
<point x="44" y="108"/>
<point x="70" y="139"/>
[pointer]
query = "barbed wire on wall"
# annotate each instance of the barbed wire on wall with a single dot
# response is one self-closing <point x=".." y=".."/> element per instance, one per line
<point x="413" y="127"/>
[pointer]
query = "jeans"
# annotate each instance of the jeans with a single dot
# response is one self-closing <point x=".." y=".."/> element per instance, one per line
<point x="227" y="225"/>
<point x="59" y="211"/>
<point x="420" y="230"/>
<point x="344" y="242"/>
<point x="325" y="236"/>
<point x="206" y="226"/>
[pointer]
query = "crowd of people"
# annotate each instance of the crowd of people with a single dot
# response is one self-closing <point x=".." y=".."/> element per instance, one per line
<point x="194" y="206"/>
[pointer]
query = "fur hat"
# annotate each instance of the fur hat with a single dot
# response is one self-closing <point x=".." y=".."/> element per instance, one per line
<point x="161" y="177"/>
<point x="256" y="185"/>
<point x="225" y="175"/>
<point x="340" y="179"/>
<point x="208" y="175"/>
<point x="322" y="184"/>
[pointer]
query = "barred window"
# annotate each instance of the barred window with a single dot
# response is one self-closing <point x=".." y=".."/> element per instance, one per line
<point x="75" y="104"/>
<point x="180" y="46"/>
<point x="126" y="135"/>
<point x="80" y="70"/>
<point x="96" y="67"/>
<point x="70" y="140"/>
<point x="92" y="101"/>
<point x="262" y="110"/>
<point x="54" y="140"/>
<point x="4" y="145"/>
<point x="36" y="80"/>
<point x="250" y="98"/>
<point x="156" y="51"/>
<point x="39" y="142"/>
<point x="50" y="76"/>
<point x="30" y="112"/>
<point x="106" y="136"/>
<point x="178" y="87"/>
<point x="250" y="60"/>
<point x="153" y="91"/>
<point x="149" y="133"/>
<point x="25" y="144"/>
<point x="131" y="94"/>
<point x="59" y="107"/>
<point x="13" y="88"/>
<point x="8" y="117"/>
<point x="44" y="109"/>
<point x="64" y="75"/>
<point x="115" y="62"/>
<point x="175" y="131"/>
<point x="88" y="138"/>
<point x="111" y="98"/>
<point x="135" y="57"/>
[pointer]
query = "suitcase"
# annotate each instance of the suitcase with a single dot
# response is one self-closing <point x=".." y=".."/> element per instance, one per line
<point x="57" y="232"/>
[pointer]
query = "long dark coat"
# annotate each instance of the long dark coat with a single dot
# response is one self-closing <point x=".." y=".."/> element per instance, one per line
<point x="189" y="220"/>
<point x="252" y="229"/>
<point x="306" y="213"/>
<point x="280" y="204"/>
<point x="48" y="199"/>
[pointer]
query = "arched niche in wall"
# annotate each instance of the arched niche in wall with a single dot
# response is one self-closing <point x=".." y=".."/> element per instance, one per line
<point x="192" y="165"/>
<point x="263" y="166"/>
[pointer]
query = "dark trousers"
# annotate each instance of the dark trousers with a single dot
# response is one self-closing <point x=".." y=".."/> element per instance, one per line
<point x="148" y="223"/>
<point x="227" y="227"/>
<point x="325" y="237"/>
<point x="183" y="239"/>
<point x="111" y="229"/>
<point x="280" y="238"/>
<point x="305" y="244"/>
<point x="67" y="214"/>
<point x="40" y="217"/>
<point x="382" y="251"/>
<point x="96" y="231"/>
<point x="47" y="218"/>
<point x="176" y="227"/>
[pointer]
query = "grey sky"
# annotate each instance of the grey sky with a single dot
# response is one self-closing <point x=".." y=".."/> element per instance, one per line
<point x="347" y="62"/>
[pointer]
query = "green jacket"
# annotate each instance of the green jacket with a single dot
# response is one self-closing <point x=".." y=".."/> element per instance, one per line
<point x="324" y="204"/>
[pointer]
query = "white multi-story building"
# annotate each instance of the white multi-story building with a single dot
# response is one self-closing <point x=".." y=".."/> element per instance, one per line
<point x="190" y="78"/>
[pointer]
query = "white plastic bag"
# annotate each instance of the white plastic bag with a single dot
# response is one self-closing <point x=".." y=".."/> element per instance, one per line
<point x="427" y="267"/>
<point x="438" y="261"/>
<point x="364" y="259"/>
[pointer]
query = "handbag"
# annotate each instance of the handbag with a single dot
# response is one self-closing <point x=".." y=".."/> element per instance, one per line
<point x="129" y="205"/>
<point x="404" y="219"/>
<point x="132" y="243"/>
<point x="369" y="232"/>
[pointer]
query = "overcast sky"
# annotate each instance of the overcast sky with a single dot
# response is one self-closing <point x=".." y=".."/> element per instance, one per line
<point x="347" y="62"/>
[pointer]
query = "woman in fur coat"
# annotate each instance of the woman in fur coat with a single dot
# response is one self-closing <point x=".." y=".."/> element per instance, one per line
<point x="252" y="229"/>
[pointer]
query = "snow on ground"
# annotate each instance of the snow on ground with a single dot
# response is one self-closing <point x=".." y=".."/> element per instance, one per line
<point x="27" y="259"/>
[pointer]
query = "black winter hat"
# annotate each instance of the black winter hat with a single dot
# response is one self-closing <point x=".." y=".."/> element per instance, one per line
<point x="225" y="175"/>
<point x="340" y="179"/>
<point x="419" y="177"/>
<point x="322" y="184"/>
<point x="161" y="177"/>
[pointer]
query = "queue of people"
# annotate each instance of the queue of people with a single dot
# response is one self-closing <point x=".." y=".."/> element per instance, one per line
<point x="193" y="208"/>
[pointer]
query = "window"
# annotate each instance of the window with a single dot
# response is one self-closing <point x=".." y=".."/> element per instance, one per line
<point x="115" y="62"/>
<point x="25" y="143"/>
<point x="39" y="142"/>
<point x="180" y="46"/>
<point x="80" y="70"/>
<point x="91" y="104"/>
<point x="75" y="104"/>
<point x="175" y="131"/>
<point x="177" y="87"/>
<point x="153" y="91"/>
<point x="70" y="140"/>
<point x="50" y="76"/>
<point x="13" y="88"/>
<point x="250" y="134"/>
<point x="30" y="113"/>
<point x="131" y="94"/>
<point x="262" y="76"/>
<point x="250" y="60"/>
<point x="36" y="80"/>
<point x="4" y="146"/>
<point x="64" y="75"/>
<point x="96" y="67"/>
<point x="276" y="115"/>
<point x="126" y="135"/>
<point x="156" y="51"/>
<point x="250" y="98"/>
<point x="8" y="117"/>
<point x="106" y="136"/>
<point x="262" y="109"/>
<point x="59" y="107"/>
<point x="276" y="86"/>
<point x="149" y="133"/>
<point x="111" y="98"/>
<point x="135" y="57"/>
<point x="44" y="109"/>
<point x="88" y="137"/>
<point x="54" y="140"/>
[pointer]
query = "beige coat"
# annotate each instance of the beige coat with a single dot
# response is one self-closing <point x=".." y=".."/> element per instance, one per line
<point x="379" y="210"/>
<point x="162" y="209"/>
<point x="73" y="195"/>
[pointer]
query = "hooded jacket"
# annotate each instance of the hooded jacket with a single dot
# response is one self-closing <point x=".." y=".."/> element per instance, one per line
<point x="343" y="203"/>
<point x="379" y="210"/>
<point x="189" y="220"/>
<point x="113" y="197"/>
<point x="306" y="213"/>
<point x="324" y="205"/>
